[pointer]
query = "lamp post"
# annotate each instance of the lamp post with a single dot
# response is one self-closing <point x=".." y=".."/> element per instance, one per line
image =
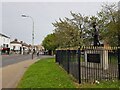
<point x="32" y="32"/>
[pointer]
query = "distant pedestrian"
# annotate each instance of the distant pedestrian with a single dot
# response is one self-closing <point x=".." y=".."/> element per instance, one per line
<point x="38" y="53"/>
<point x="33" y="51"/>
<point x="8" y="51"/>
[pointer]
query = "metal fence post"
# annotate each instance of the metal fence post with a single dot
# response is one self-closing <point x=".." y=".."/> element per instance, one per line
<point x="79" y="65"/>
<point x="68" y="60"/>
<point x="118" y="63"/>
<point x="56" y="56"/>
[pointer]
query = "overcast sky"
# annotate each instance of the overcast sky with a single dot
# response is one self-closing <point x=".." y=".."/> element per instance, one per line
<point x="43" y="13"/>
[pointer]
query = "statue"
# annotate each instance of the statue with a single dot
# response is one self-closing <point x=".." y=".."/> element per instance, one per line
<point x="96" y="35"/>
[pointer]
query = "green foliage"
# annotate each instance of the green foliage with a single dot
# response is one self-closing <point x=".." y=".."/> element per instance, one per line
<point x="72" y="32"/>
<point x="110" y="24"/>
<point x="49" y="42"/>
<point x="66" y="34"/>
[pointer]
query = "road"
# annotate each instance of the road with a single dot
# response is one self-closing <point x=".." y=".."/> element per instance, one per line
<point x="12" y="59"/>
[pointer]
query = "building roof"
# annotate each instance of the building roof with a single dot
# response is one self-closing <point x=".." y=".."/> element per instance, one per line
<point x="25" y="44"/>
<point x="15" y="42"/>
<point x="19" y="42"/>
<point x="4" y="35"/>
<point x="39" y="46"/>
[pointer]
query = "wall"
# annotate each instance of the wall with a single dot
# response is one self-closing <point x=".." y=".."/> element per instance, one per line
<point x="4" y="40"/>
<point x="17" y="46"/>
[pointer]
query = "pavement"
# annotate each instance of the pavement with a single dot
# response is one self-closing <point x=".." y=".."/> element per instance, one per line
<point x="10" y="75"/>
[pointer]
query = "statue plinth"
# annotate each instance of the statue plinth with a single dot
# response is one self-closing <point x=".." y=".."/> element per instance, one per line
<point x="96" y="58"/>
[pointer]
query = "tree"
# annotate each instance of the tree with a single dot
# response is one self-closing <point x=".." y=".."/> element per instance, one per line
<point x="71" y="32"/>
<point x="82" y="25"/>
<point x="66" y="34"/>
<point x="109" y="23"/>
<point x="78" y="30"/>
<point x="49" y="43"/>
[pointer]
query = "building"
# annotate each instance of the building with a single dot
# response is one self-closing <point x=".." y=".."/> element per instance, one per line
<point x="39" y="48"/>
<point x="26" y="48"/>
<point x="16" y="46"/>
<point x="19" y="47"/>
<point x="4" y="44"/>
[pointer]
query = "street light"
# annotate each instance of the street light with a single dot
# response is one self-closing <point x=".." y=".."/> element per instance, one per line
<point x="32" y="32"/>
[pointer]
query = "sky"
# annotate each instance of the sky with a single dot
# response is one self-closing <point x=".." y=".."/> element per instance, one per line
<point x="43" y="14"/>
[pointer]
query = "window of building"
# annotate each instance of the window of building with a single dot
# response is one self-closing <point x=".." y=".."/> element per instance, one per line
<point x="7" y="45"/>
<point x="4" y="45"/>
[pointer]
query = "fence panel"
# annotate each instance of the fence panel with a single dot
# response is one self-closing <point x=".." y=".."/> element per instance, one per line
<point x="74" y="71"/>
<point x="99" y="64"/>
<point x="90" y="64"/>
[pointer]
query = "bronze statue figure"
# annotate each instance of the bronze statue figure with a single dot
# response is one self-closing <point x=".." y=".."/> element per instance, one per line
<point x="96" y="35"/>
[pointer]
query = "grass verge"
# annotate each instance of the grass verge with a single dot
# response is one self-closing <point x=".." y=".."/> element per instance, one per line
<point x="45" y="74"/>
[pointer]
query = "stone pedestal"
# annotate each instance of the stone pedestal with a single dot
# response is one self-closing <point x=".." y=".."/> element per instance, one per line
<point x="96" y="58"/>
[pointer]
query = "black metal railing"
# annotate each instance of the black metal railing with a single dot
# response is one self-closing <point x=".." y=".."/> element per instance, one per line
<point x="90" y="64"/>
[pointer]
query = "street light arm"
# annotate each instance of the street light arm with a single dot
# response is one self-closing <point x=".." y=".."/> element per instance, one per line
<point x="23" y="15"/>
<point x="31" y="18"/>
